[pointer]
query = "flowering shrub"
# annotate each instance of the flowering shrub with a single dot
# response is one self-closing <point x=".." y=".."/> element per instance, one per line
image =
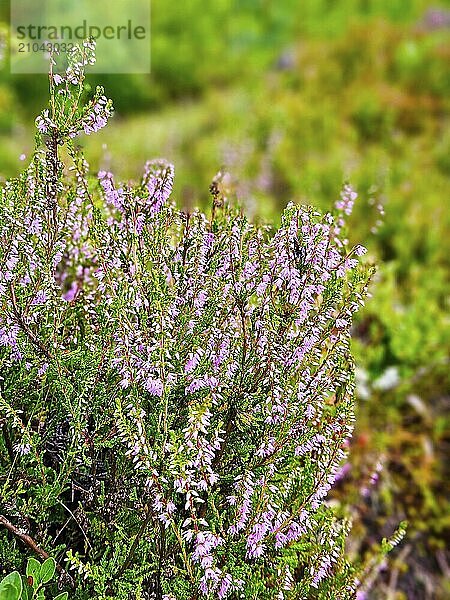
<point x="176" y="389"/>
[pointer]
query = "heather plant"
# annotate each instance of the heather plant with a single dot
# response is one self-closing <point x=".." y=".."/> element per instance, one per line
<point x="176" y="388"/>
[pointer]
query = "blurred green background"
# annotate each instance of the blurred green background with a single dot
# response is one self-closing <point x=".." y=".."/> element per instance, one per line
<point x="292" y="98"/>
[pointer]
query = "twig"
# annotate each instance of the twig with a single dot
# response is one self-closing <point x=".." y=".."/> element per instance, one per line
<point x="134" y="545"/>
<point x="28" y="541"/>
<point x="78" y="523"/>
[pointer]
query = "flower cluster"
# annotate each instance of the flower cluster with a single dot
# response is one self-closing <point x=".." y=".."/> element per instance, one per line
<point x="67" y="115"/>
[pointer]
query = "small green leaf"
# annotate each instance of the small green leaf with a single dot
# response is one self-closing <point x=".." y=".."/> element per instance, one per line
<point x="11" y="587"/>
<point x="62" y="596"/>
<point x="33" y="568"/>
<point x="48" y="568"/>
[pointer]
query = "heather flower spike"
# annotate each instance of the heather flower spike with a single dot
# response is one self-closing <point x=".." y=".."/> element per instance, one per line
<point x="186" y="382"/>
<point x="68" y="115"/>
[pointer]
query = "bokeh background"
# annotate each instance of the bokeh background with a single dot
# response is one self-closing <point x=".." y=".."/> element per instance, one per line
<point x="291" y="98"/>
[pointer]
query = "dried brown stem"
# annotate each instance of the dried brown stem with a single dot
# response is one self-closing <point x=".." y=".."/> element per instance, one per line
<point x="28" y="541"/>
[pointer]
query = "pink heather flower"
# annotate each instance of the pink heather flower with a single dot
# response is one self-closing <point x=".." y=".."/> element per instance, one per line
<point x="42" y="369"/>
<point x="71" y="293"/>
<point x="343" y="471"/>
<point x="295" y="532"/>
<point x="266" y="448"/>
<point x="200" y="300"/>
<point x="97" y="118"/>
<point x="35" y="227"/>
<point x="280" y="540"/>
<point x="26" y="279"/>
<point x="205" y="543"/>
<point x="113" y="196"/>
<point x="225" y="586"/>
<point x="8" y="337"/>
<point x="348" y="197"/>
<point x="374" y="478"/>
<point x="40" y="298"/>
<point x="154" y="386"/>
<point x="193" y="361"/>
<point x="255" y="545"/>
<point x="209" y="580"/>
<point x="360" y="250"/>
<point x="44" y="123"/>
<point x="158" y="178"/>
<point x="321" y="571"/>
<point x="341" y="323"/>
